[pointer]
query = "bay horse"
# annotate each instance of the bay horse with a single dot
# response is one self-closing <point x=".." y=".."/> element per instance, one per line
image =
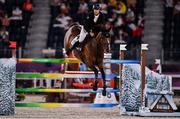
<point x="92" y="52"/>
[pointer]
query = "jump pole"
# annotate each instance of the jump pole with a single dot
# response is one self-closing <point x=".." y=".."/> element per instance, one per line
<point x="65" y="69"/>
<point x="58" y="105"/>
<point x="107" y="66"/>
<point x="122" y="50"/>
<point x="143" y="75"/>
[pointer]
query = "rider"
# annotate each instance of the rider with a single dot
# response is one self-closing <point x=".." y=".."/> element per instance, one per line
<point x="94" y="22"/>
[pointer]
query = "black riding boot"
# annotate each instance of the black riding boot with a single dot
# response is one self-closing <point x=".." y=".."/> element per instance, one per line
<point x="76" y="44"/>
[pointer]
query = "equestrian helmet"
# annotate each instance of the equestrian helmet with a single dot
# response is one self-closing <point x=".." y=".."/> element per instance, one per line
<point x="97" y="6"/>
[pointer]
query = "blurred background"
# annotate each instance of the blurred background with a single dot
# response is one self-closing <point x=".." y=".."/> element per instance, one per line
<point x="36" y="28"/>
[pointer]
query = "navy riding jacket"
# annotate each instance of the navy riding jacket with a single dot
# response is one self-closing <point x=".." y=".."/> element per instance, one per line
<point x="97" y="26"/>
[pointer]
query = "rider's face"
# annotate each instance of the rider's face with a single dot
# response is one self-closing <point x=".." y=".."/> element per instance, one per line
<point x="96" y="12"/>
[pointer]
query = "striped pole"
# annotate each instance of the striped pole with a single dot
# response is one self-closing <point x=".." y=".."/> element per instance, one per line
<point x="58" y="75"/>
<point x="49" y="60"/>
<point x="107" y="67"/>
<point x="56" y="90"/>
<point x="69" y="60"/>
<point x="57" y="105"/>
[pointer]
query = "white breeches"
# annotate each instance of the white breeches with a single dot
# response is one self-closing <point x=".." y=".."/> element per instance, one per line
<point x="82" y="36"/>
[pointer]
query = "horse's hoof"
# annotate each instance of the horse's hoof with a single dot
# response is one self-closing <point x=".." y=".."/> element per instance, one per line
<point x="104" y="92"/>
<point x="95" y="88"/>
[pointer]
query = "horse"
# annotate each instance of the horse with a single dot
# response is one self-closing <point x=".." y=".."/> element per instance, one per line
<point x="92" y="52"/>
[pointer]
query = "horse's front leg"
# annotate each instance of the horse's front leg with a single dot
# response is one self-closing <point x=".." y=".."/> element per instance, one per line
<point x="95" y="86"/>
<point x="104" y="80"/>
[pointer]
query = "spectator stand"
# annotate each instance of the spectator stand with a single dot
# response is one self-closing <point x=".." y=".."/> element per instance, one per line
<point x="125" y="17"/>
<point x="15" y="16"/>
